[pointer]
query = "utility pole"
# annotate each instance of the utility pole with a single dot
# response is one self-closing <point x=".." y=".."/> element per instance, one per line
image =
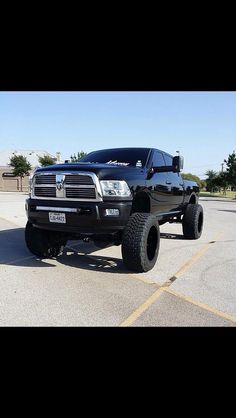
<point x="222" y="167"/>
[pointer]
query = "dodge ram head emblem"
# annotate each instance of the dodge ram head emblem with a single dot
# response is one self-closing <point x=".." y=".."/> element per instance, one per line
<point x="59" y="185"/>
<point x="60" y="179"/>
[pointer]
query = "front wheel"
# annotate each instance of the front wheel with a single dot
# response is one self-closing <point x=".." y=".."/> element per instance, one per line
<point x="193" y="221"/>
<point x="140" y="242"/>
<point x="42" y="243"/>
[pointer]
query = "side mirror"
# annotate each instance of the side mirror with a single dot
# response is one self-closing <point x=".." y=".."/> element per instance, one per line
<point x="177" y="166"/>
<point x="178" y="163"/>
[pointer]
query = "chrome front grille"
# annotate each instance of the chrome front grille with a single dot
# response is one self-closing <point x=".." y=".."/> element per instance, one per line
<point x="78" y="179"/>
<point x="45" y="191"/>
<point x="66" y="186"/>
<point x="81" y="193"/>
<point x="46" y="179"/>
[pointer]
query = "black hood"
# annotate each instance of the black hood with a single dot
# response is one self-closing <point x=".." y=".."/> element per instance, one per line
<point x="103" y="171"/>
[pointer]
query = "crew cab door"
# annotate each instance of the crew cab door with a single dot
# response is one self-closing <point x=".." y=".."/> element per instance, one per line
<point x="158" y="187"/>
<point x="176" y="185"/>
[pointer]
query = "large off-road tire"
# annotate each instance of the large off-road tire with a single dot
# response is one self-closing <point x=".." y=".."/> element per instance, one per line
<point x="42" y="243"/>
<point x="193" y="221"/>
<point x="140" y="243"/>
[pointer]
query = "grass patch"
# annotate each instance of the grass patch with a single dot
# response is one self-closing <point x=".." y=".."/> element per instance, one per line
<point x="231" y="195"/>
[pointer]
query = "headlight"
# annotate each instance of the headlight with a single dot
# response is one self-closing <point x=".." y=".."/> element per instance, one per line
<point x="115" y="188"/>
<point x="30" y="184"/>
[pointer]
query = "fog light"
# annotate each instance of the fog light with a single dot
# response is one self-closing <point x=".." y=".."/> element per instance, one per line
<point x="112" y="212"/>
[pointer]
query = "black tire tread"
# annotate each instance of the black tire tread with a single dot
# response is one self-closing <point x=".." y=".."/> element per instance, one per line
<point x="190" y="221"/>
<point x="133" y="242"/>
<point x="41" y="242"/>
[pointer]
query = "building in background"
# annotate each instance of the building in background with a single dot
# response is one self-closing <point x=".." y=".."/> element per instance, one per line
<point x="10" y="183"/>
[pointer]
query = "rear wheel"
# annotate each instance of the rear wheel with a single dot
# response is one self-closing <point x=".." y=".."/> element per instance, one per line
<point x="193" y="221"/>
<point x="140" y="243"/>
<point x="42" y="243"/>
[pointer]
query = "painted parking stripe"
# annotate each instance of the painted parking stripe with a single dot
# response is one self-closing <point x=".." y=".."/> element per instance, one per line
<point x="196" y="257"/>
<point x="202" y="305"/>
<point x="142" y="308"/>
<point x="148" y="302"/>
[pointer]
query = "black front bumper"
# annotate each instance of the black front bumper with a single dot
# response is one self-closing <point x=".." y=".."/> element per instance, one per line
<point x="90" y="217"/>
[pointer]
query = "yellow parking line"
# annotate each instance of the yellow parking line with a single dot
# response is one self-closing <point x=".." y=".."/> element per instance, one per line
<point x="202" y="305"/>
<point x="196" y="257"/>
<point x="142" y="308"/>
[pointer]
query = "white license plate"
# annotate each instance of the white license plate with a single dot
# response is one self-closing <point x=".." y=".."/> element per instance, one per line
<point x="59" y="218"/>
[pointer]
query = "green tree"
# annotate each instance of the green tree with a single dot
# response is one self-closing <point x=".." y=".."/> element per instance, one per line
<point x="192" y="177"/>
<point x="21" y="167"/>
<point x="211" y="185"/>
<point x="203" y="184"/>
<point x="221" y="181"/>
<point x="76" y="158"/>
<point x="231" y="169"/>
<point x="46" y="160"/>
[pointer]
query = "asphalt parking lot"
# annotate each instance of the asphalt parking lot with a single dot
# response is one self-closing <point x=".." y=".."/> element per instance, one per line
<point x="192" y="284"/>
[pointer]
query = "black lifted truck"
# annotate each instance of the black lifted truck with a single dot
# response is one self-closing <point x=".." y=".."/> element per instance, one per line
<point x="113" y="196"/>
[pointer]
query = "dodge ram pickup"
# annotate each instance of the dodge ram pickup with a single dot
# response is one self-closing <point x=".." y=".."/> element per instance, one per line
<point x="115" y="196"/>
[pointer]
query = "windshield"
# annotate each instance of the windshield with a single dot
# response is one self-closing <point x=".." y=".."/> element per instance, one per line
<point x="130" y="157"/>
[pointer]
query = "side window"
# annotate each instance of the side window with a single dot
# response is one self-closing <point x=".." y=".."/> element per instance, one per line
<point x="157" y="159"/>
<point x="168" y="159"/>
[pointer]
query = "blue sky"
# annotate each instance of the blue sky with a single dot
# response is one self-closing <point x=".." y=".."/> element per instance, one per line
<point x="201" y="125"/>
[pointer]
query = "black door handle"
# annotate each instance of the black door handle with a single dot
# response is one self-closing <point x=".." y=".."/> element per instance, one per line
<point x="168" y="182"/>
